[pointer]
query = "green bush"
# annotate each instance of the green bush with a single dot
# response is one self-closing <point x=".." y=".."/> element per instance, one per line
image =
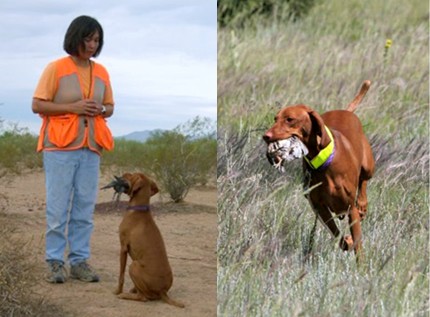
<point x="236" y="13"/>
<point x="126" y="154"/>
<point x="179" y="163"/>
<point x="18" y="151"/>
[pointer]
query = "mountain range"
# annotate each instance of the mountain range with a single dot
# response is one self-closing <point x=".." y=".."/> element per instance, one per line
<point x="140" y="136"/>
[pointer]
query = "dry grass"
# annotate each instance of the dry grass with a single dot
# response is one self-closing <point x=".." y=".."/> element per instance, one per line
<point x="264" y="219"/>
<point x="18" y="278"/>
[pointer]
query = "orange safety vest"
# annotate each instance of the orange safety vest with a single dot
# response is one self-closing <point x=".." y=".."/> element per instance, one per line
<point x="71" y="131"/>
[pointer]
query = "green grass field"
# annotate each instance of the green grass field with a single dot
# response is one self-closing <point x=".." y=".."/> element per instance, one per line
<point x="264" y="220"/>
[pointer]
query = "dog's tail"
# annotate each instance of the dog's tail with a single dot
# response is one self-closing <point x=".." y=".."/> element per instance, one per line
<point x="364" y="88"/>
<point x="170" y="301"/>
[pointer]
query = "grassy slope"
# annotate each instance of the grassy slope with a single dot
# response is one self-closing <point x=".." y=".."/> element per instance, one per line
<point x="264" y="219"/>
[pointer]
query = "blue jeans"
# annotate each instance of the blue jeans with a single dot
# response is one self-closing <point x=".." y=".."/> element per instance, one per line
<point x="71" y="179"/>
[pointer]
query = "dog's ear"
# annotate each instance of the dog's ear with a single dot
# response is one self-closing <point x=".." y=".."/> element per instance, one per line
<point x="318" y="127"/>
<point x="136" y="183"/>
<point x="126" y="175"/>
<point x="154" y="187"/>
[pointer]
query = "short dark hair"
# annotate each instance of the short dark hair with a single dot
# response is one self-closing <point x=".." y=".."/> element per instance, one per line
<point x="80" y="28"/>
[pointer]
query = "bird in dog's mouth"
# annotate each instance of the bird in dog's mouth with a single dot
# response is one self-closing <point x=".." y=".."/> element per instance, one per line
<point x="120" y="186"/>
<point x="281" y="151"/>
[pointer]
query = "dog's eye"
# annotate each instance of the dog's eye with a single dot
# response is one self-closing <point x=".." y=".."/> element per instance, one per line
<point x="289" y="120"/>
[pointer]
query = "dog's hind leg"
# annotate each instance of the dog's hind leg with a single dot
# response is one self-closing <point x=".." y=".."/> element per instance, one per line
<point x="366" y="172"/>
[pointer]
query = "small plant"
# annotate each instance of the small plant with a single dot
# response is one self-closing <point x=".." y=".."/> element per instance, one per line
<point x="388" y="43"/>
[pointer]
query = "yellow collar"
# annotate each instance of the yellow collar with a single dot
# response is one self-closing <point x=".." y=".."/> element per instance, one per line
<point x="325" y="155"/>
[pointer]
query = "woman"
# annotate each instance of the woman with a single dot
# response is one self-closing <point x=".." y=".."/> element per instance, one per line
<point x="73" y="97"/>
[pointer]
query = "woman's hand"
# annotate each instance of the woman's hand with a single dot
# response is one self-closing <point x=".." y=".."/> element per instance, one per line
<point x="88" y="107"/>
<point x="85" y="107"/>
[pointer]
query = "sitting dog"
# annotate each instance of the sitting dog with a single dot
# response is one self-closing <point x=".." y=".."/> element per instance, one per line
<point x="141" y="239"/>
<point x="338" y="162"/>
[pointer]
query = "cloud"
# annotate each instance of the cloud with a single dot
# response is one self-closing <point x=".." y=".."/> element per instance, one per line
<point x="161" y="56"/>
<point x="145" y="114"/>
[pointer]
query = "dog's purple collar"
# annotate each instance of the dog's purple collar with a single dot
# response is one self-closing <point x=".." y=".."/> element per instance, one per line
<point x="139" y="208"/>
<point x="329" y="160"/>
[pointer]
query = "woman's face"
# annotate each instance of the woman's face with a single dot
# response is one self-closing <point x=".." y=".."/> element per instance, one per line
<point x="90" y="46"/>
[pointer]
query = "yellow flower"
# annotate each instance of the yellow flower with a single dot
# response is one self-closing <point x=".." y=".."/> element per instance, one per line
<point x="388" y="43"/>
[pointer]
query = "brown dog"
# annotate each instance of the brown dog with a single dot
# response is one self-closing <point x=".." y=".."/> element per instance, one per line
<point x="338" y="165"/>
<point x="141" y="239"/>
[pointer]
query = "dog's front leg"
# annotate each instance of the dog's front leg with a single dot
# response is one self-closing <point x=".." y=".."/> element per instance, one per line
<point x="123" y="263"/>
<point x="362" y="199"/>
<point x="355" y="227"/>
<point x="325" y="216"/>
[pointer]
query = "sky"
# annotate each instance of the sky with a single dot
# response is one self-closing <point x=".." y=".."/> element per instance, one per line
<point x="161" y="57"/>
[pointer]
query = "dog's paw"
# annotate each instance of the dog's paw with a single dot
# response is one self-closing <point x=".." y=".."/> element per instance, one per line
<point x="362" y="214"/>
<point x="362" y="211"/>
<point x="362" y="207"/>
<point x="132" y="296"/>
<point x="117" y="291"/>
<point x="346" y="243"/>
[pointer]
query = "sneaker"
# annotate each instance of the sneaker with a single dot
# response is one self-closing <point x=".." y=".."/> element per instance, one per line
<point x="56" y="272"/>
<point x="84" y="272"/>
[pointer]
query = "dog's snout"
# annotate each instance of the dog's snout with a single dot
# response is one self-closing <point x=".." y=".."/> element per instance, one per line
<point x="267" y="137"/>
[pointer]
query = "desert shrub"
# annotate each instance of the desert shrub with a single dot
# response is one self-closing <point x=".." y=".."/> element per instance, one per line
<point x="205" y="159"/>
<point x="179" y="163"/>
<point x="126" y="154"/>
<point x="18" y="150"/>
<point x="170" y="157"/>
<point x="201" y="132"/>
<point x="17" y="276"/>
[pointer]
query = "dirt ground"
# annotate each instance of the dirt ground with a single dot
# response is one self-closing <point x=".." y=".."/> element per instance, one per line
<point x="189" y="230"/>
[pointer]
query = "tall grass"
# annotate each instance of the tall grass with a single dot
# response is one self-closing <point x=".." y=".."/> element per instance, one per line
<point x="264" y="220"/>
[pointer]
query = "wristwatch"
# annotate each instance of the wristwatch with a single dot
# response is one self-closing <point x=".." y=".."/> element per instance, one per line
<point x="103" y="110"/>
